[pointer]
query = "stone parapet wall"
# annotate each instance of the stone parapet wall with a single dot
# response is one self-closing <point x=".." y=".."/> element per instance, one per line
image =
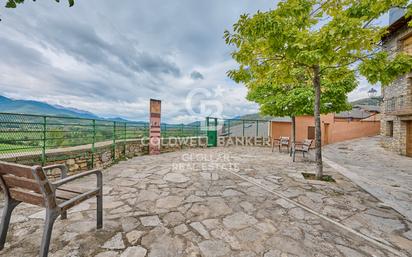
<point x="82" y="158"/>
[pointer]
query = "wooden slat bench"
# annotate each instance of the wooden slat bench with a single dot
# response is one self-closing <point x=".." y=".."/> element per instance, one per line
<point x="281" y="142"/>
<point x="303" y="147"/>
<point x="30" y="185"/>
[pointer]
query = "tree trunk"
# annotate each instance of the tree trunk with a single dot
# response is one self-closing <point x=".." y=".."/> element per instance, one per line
<point x="293" y="130"/>
<point x="318" y="131"/>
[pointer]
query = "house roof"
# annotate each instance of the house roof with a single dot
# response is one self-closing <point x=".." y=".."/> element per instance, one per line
<point x="396" y="26"/>
<point x="281" y="119"/>
<point x="354" y="113"/>
<point x="369" y="108"/>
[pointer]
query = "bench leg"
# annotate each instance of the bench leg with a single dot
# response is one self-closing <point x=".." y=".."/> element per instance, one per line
<point x="47" y="232"/>
<point x="99" y="211"/>
<point x="63" y="216"/>
<point x="293" y="155"/>
<point x="5" y="220"/>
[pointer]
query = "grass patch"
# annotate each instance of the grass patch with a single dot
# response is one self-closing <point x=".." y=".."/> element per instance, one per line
<point x="8" y="148"/>
<point x="311" y="176"/>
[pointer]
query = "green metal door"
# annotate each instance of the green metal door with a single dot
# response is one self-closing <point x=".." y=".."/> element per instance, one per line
<point x="211" y="132"/>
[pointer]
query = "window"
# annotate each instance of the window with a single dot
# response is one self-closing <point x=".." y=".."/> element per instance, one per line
<point x="311" y="132"/>
<point x="407" y="45"/>
<point x="401" y="101"/>
<point x="389" y="128"/>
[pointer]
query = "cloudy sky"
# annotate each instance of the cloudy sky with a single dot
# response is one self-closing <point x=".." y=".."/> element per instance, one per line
<point x="111" y="57"/>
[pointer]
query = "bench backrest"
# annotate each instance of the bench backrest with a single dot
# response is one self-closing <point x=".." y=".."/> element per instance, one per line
<point x="284" y="140"/>
<point x="306" y="144"/>
<point x="26" y="184"/>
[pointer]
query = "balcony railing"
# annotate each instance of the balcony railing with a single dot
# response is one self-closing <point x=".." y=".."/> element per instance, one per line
<point x="401" y="105"/>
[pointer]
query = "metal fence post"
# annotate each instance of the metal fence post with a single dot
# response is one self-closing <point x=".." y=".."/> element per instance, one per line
<point x="181" y="130"/>
<point x="114" y="141"/>
<point x="43" y="154"/>
<point x="228" y="128"/>
<point x="198" y="130"/>
<point x="94" y="141"/>
<point x="243" y="122"/>
<point x="125" y="138"/>
<point x="257" y="128"/>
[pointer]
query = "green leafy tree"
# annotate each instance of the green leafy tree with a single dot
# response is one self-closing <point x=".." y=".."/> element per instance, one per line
<point x="14" y="3"/>
<point x="297" y="99"/>
<point x="321" y="43"/>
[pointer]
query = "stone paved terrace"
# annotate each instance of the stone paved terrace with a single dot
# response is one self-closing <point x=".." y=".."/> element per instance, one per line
<point x="386" y="175"/>
<point x="169" y="205"/>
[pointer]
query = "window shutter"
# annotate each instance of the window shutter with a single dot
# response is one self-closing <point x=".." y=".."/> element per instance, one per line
<point x="407" y="45"/>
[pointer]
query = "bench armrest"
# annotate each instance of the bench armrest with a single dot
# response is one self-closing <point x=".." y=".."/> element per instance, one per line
<point x="298" y="143"/>
<point x="98" y="174"/>
<point x="62" y="167"/>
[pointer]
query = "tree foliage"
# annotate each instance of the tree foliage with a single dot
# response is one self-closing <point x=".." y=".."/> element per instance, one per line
<point x="304" y="55"/>
<point x="297" y="98"/>
<point x="14" y="3"/>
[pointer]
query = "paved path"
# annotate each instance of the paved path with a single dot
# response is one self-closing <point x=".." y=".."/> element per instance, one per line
<point x="384" y="174"/>
<point x="236" y="201"/>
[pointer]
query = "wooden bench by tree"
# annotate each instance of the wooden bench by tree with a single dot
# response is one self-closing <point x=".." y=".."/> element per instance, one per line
<point x="282" y="142"/>
<point x="301" y="147"/>
<point x="30" y="185"/>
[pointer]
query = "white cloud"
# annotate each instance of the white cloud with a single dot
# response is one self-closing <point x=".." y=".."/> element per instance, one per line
<point x="110" y="58"/>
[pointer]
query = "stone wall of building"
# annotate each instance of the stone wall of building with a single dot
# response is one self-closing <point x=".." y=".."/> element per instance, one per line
<point x="395" y="141"/>
<point x="83" y="159"/>
<point x="391" y="142"/>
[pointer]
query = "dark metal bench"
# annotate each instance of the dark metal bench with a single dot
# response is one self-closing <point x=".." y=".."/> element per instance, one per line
<point x="281" y="142"/>
<point x="30" y="185"/>
<point x="303" y="147"/>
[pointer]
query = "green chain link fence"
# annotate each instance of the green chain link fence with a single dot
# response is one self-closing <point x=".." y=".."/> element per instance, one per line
<point x="22" y="134"/>
<point x="239" y="127"/>
<point x="235" y="128"/>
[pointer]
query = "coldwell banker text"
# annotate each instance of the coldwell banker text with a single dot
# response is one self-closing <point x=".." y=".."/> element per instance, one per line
<point x="243" y="141"/>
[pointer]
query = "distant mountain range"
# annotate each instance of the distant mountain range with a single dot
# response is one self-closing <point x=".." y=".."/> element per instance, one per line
<point x="40" y="108"/>
<point x="375" y="101"/>
<point x="364" y="101"/>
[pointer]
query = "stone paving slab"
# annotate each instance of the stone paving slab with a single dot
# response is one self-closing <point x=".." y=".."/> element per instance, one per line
<point x="384" y="174"/>
<point x="197" y="203"/>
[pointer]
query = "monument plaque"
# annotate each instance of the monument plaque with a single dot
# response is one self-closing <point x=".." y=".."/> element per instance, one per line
<point x="154" y="143"/>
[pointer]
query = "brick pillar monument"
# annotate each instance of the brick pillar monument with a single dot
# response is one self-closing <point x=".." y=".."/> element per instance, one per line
<point x="155" y="110"/>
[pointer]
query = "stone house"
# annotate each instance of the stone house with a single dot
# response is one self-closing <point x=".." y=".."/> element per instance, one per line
<point x="396" y="116"/>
